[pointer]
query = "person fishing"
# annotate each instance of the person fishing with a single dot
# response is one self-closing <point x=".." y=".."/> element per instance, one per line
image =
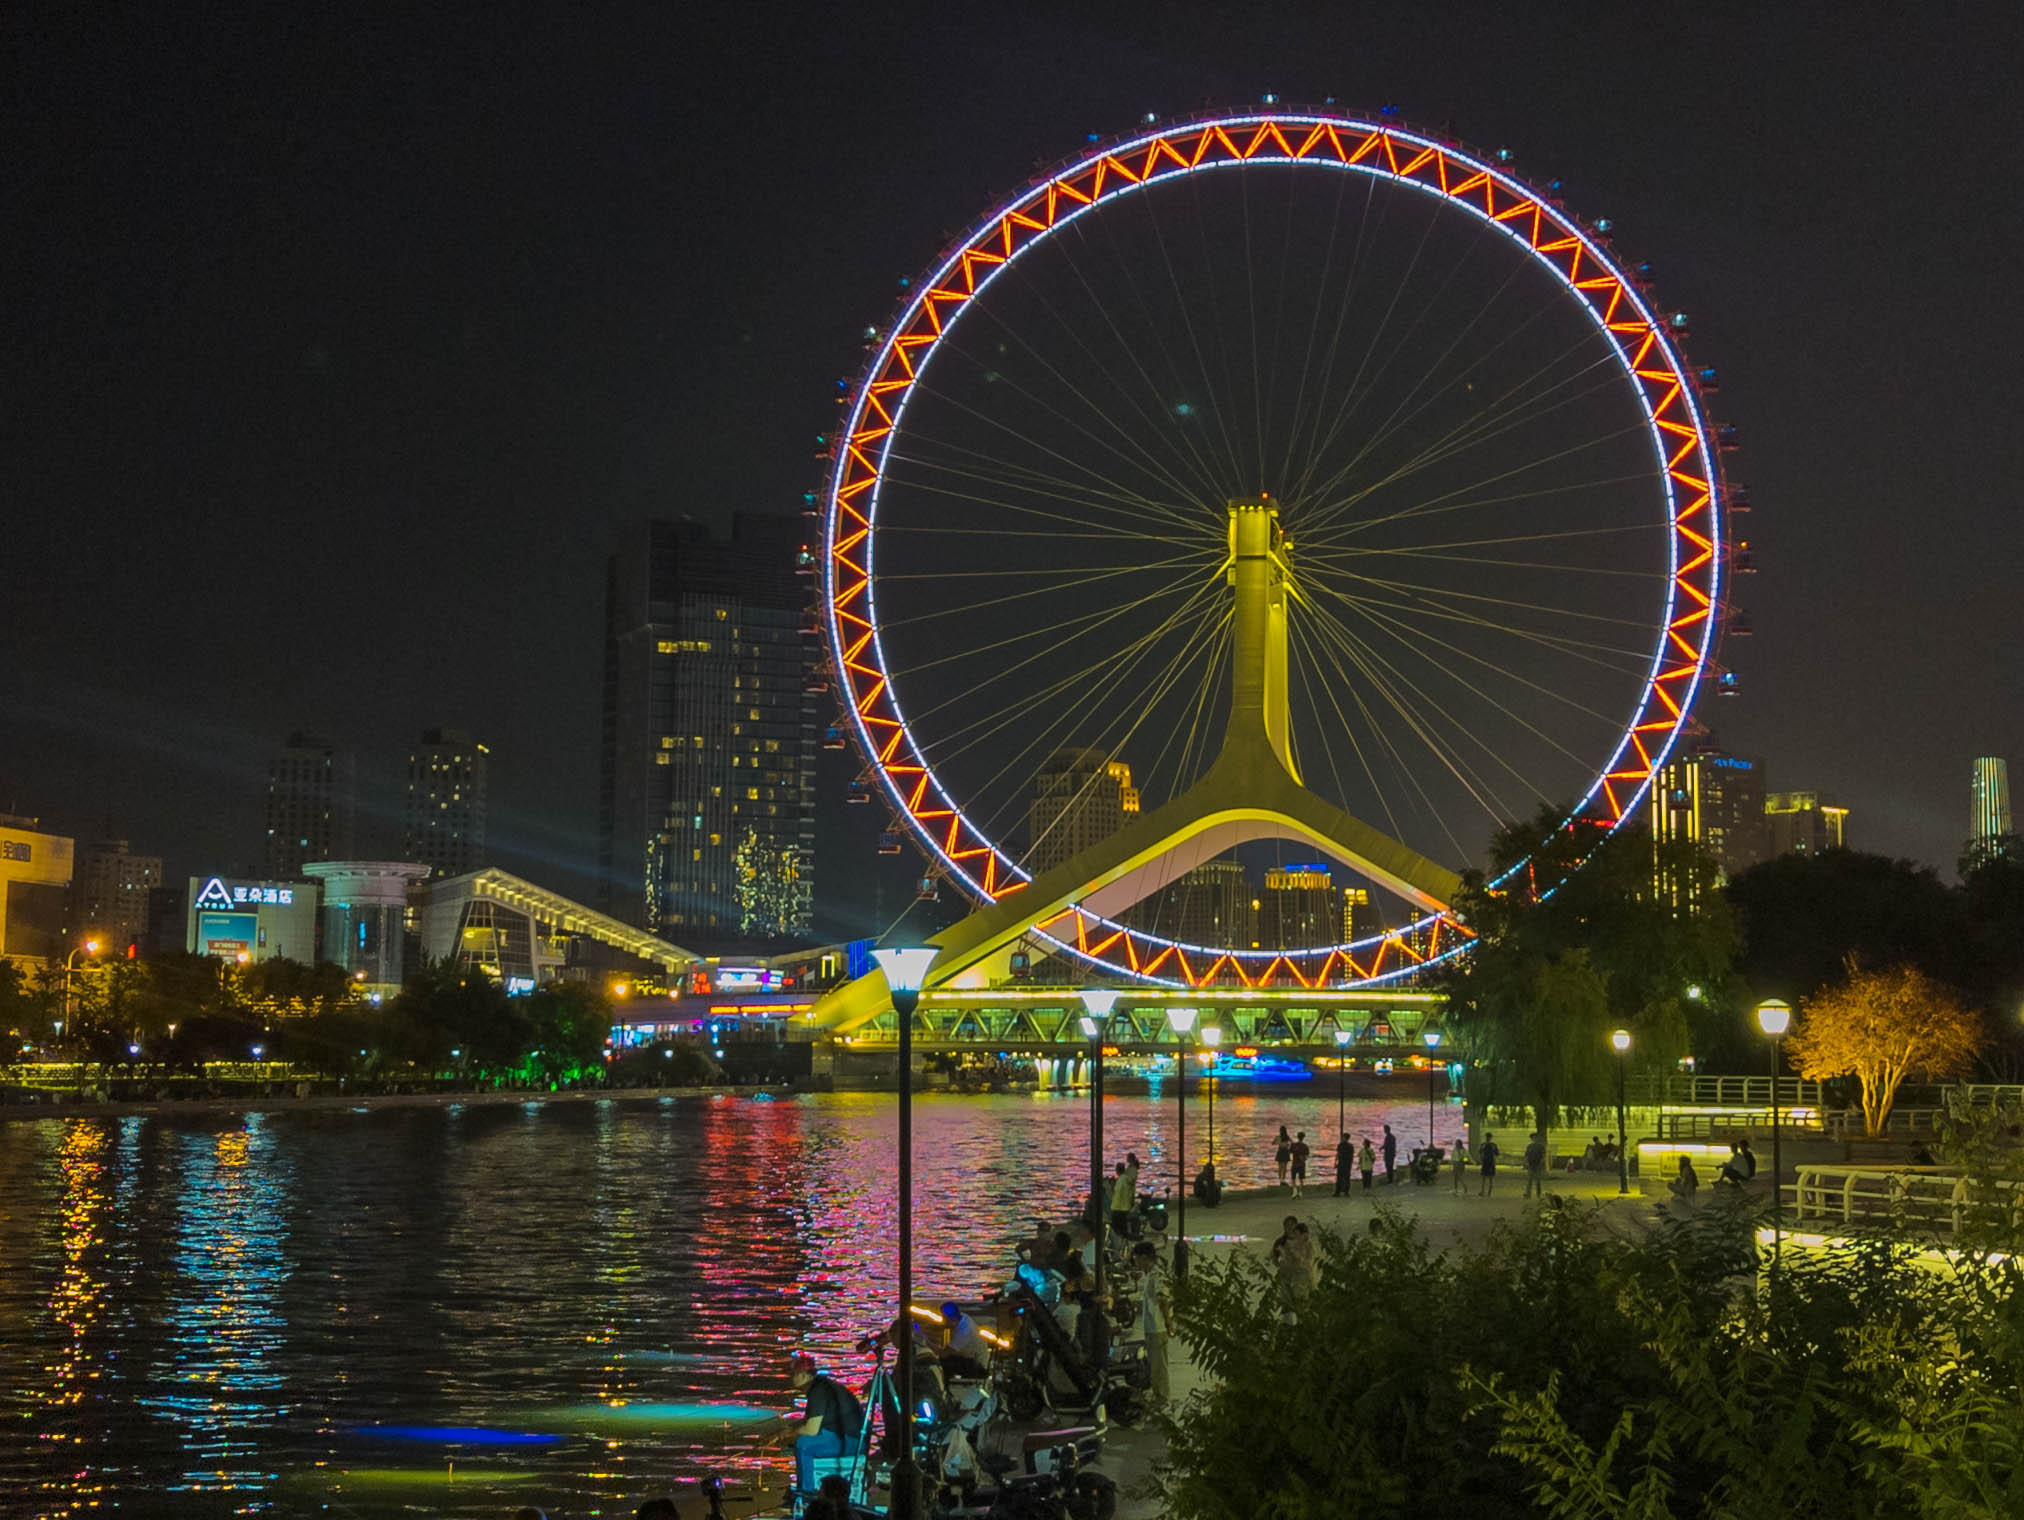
<point x="831" y="1418"/>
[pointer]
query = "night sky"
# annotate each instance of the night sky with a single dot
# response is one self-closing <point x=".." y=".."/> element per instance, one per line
<point x="338" y="343"/>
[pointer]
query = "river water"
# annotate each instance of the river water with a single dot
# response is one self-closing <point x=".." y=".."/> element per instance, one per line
<point x="456" y="1309"/>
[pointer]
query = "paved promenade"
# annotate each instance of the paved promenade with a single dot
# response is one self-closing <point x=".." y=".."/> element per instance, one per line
<point x="1251" y="1221"/>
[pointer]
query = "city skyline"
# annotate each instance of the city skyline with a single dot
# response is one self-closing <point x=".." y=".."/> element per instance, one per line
<point x="685" y="383"/>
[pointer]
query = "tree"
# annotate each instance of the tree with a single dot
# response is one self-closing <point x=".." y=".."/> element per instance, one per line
<point x="570" y="1025"/>
<point x="1883" y="1026"/>
<point x="1579" y="935"/>
<point x="1802" y="916"/>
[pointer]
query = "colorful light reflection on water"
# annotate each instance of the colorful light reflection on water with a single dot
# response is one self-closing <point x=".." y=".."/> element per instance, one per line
<point x="474" y="1306"/>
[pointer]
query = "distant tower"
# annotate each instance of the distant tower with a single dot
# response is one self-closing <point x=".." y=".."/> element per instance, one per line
<point x="1805" y="823"/>
<point x="1299" y="908"/>
<point x="312" y="801"/>
<point x="1080" y="798"/>
<point x="1993" y="827"/>
<point x="446" y="803"/>
<point x="1717" y="801"/>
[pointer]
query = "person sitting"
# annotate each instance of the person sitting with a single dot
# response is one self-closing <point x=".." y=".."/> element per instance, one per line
<point x="969" y="1353"/>
<point x="1592" y="1158"/>
<point x="1208" y="1187"/>
<point x="1741" y="1165"/>
<point x="831" y="1418"/>
<point x="1687" y="1183"/>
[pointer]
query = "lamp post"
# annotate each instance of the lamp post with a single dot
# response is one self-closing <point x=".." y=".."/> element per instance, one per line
<point x="1097" y="1003"/>
<point x="1341" y="1079"/>
<point x="1212" y="1038"/>
<point x="1621" y="1040"/>
<point x="905" y="971"/>
<point x="1432" y="1038"/>
<point x="1774" y="1017"/>
<point x="1181" y="1020"/>
<point x="89" y="947"/>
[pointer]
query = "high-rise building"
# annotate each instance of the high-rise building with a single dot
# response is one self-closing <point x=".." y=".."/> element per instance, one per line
<point x="1993" y="828"/>
<point x="35" y="871"/>
<point x="710" y="736"/>
<point x="446" y="803"/>
<point x="1717" y="801"/>
<point x="1804" y="823"/>
<point x="109" y="894"/>
<point x="1209" y="906"/>
<point x="1298" y="909"/>
<point x="312" y="803"/>
<point x="1359" y="915"/>
<point x="1080" y="798"/>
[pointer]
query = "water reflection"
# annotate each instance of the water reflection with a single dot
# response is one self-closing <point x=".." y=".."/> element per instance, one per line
<point x="369" y="1310"/>
<point x="219" y="1381"/>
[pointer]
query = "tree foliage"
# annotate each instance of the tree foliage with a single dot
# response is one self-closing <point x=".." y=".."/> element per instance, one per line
<point x="1564" y="955"/>
<point x="1567" y="1369"/>
<point x="1883" y="1026"/>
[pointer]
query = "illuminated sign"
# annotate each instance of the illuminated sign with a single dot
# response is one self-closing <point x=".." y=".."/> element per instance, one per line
<point x="229" y="935"/>
<point x="1729" y="762"/>
<point x="16" y="849"/>
<point x="517" y="986"/>
<point x="747" y="979"/>
<point x="215" y="894"/>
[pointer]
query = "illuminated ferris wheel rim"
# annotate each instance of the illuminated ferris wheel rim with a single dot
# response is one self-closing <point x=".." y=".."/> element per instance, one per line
<point x="1688" y="466"/>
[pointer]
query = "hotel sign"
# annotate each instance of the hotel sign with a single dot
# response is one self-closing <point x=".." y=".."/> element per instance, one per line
<point x="215" y="894"/>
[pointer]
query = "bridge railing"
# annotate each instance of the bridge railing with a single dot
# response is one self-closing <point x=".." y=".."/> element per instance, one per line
<point x="1725" y="1091"/>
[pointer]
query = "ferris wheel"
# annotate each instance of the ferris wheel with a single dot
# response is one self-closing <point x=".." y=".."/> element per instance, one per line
<point x="1496" y="507"/>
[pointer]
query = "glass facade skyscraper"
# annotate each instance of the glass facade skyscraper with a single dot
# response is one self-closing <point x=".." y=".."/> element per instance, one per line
<point x="710" y="736"/>
<point x="1993" y="826"/>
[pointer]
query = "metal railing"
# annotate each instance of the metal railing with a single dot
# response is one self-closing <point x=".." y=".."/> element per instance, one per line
<point x="1921" y="1199"/>
<point x="1725" y="1092"/>
<point x="1735" y="1123"/>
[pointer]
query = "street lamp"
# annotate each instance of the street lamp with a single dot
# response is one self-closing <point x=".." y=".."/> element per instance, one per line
<point x="89" y="947"/>
<point x="1621" y="1040"/>
<point x="1774" y="1017"/>
<point x="1432" y="1038"/>
<point x="1341" y="1078"/>
<point x="1181" y="1020"/>
<point x="905" y="972"/>
<point x="1212" y="1037"/>
<point x="1097" y="1003"/>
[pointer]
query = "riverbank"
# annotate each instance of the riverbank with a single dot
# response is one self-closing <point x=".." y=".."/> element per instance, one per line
<point x="226" y="1103"/>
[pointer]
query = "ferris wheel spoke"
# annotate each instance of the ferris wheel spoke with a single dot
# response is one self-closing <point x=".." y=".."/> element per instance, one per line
<point x="1384" y="428"/>
<point x="1297" y="412"/>
<point x="1523" y="405"/>
<point x="1613" y="658"/>
<point x="1455" y="594"/>
<point x="1356" y="390"/>
<point x="1199" y="460"/>
<point x="1301" y="641"/>
<point x="1405" y="634"/>
<point x="1025" y="440"/>
<point x="1341" y="536"/>
<point x="969" y="609"/>
<point x="1146" y="458"/>
<point x="1141" y="511"/>
<point x="1421" y="716"/>
<point x="1128" y="656"/>
<point x="1369" y="668"/>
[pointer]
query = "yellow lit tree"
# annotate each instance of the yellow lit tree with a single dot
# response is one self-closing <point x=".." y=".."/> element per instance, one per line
<point x="1883" y="1026"/>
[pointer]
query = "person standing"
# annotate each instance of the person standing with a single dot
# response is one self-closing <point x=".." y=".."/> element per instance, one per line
<point x="1486" y="1163"/>
<point x="1391" y="1156"/>
<point x="1154" y="1317"/>
<point x="1367" y="1160"/>
<point x="1301" y="1151"/>
<point x="1535" y="1164"/>
<point x="1283" y="1153"/>
<point x="1294" y="1262"/>
<point x="1124" y="1195"/>
<point x="1345" y="1164"/>
<point x="1461" y="1154"/>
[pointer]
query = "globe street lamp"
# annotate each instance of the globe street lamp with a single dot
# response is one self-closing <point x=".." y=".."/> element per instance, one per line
<point x="1774" y="1017"/>
<point x="1181" y="1020"/>
<point x="1212" y="1037"/>
<point x="1341" y="1078"/>
<point x="1097" y="1003"/>
<point x="1432" y="1037"/>
<point x="1621" y="1040"/>
<point x="905" y="971"/>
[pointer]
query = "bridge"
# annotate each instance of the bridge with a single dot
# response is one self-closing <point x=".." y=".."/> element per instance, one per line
<point x="1297" y="1023"/>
